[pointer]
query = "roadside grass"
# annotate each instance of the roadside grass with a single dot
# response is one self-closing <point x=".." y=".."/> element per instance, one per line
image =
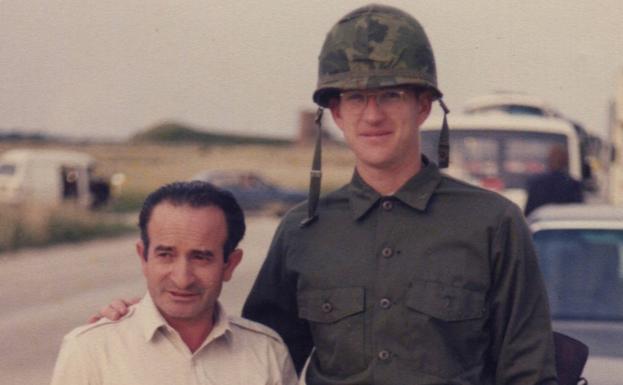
<point x="148" y="166"/>
<point x="30" y="226"/>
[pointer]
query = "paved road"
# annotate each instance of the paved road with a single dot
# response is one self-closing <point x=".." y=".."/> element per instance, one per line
<point x="45" y="293"/>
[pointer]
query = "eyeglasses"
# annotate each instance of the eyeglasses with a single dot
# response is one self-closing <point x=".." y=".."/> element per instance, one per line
<point x="387" y="99"/>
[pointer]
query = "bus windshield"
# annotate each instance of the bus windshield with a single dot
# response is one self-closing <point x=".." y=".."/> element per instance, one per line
<point x="498" y="159"/>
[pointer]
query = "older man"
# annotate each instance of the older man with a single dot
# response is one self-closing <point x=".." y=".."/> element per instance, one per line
<point x="179" y="333"/>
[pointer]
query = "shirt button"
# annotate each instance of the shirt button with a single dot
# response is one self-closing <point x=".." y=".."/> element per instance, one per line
<point x="385" y="303"/>
<point x="384" y="355"/>
<point x="327" y="307"/>
<point x="388" y="205"/>
<point x="387" y="252"/>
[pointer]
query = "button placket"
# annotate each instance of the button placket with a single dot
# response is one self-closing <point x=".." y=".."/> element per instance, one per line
<point x="385" y="288"/>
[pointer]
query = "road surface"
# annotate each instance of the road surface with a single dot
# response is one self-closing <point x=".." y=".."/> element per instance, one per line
<point x="44" y="293"/>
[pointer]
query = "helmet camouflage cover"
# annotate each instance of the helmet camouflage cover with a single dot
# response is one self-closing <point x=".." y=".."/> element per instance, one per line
<point x="375" y="46"/>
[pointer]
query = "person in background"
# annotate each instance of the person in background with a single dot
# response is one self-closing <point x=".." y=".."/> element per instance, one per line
<point x="556" y="185"/>
<point x="179" y="333"/>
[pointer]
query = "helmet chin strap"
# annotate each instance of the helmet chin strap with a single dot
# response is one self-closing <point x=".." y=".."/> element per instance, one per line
<point x="316" y="174"/>
<point x="443" y="150"/>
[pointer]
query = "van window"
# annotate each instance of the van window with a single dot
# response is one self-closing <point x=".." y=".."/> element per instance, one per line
<point x="509" y="158"/>
<point x="69" y="176"/>
<point x="7" y="169"/>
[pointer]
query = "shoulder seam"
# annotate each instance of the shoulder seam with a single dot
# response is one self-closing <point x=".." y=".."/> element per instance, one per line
<point x="255" y="327"/>
<point x="80" y="330"/>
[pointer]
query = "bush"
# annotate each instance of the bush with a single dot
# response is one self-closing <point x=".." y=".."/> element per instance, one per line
<point x="127" y="202"/>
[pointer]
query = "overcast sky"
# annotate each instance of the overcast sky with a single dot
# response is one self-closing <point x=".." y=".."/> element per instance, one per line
<point x="109" y="68"/>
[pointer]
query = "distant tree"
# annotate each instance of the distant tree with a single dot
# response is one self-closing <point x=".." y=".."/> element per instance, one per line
<point x="174" y="132"/>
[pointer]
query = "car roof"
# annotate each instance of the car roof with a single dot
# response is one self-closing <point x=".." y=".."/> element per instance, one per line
<point x="576" y="216"/>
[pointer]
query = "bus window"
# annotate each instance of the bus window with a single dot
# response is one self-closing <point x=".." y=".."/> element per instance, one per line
<point x="496" y="158"/>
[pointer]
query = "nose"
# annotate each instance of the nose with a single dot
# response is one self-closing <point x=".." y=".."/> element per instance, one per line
<point x="182" y="273"/>
<point x="372" y="112"/>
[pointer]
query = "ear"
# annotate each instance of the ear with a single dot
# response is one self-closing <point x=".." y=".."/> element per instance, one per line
<point x="140" y="249"/>
<point x="232" y="262"/>
<point x="424" y="104"/>
<point x="334" y="106"/>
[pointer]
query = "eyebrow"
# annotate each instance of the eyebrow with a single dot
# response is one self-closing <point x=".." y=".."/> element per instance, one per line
<point x="205" y="252"/>
<point x="164" y="248"/>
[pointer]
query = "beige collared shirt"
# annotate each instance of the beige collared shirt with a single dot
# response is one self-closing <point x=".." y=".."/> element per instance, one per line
<point x="142" y="348"/>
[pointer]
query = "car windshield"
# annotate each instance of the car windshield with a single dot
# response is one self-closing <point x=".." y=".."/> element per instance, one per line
<point x="507" y="157"/>
<point x="583" y="272"/>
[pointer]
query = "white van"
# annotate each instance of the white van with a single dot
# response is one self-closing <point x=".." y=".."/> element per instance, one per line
<point x="45" y="177"/>
<point x="501" y="151"/>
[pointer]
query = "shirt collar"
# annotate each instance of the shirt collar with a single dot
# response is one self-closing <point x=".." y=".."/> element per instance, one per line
<point x="221" y="327"/>
<point x="152" y="321"/>
<point x="416" y="192"/>
<point x="149" y="317"/>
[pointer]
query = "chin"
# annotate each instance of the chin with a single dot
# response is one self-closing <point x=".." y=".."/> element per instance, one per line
<point x="378" y="162"/>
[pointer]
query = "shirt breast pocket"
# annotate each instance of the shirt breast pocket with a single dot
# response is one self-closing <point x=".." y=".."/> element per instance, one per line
<point x="447" y="327"/>
<point x="445" y="302"/>
<point x="337" y="323"/>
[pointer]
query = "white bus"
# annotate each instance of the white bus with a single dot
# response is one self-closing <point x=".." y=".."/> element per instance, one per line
<point x="502" y="151"/>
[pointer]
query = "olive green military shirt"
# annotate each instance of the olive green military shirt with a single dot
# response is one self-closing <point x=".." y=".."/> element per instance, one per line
<point x="436" y="284"/>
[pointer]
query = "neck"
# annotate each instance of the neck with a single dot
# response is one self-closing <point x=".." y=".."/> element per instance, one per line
<point x="193" y="332"/>
<point x="388" y="180"/>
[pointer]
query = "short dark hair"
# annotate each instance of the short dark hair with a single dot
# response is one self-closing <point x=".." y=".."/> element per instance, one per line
<point x="196" y="194"/>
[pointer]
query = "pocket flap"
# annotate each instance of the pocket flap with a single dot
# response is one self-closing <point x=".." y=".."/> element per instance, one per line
<point x="330" y="305"/>
<point x="445" y="302"/>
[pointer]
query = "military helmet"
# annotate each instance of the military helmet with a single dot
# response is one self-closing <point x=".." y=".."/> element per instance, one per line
<point x="375" y="46"/>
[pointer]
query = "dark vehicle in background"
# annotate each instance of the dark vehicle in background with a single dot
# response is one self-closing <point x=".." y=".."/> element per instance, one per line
<point x="580" y="250"/>
<point x="253" y="192"/>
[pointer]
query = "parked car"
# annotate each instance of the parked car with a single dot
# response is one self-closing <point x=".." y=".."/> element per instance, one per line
<point x="253" y="192"/>
<point x="580" y="250"/>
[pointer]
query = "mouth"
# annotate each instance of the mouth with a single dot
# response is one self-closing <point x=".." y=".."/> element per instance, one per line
<point x="376" y="134"/>
<point x="183" y="296"/>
